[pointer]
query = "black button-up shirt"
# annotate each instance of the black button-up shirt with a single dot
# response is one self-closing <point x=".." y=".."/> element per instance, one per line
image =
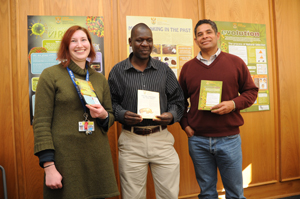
<point x="125" y="81"/>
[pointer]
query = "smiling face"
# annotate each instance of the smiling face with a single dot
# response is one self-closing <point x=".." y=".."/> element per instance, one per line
<point x="141" y="42"/>
<point x="206" y="38"/>
<point x="79" y="48"/>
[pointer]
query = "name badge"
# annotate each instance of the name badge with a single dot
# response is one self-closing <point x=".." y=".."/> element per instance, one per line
<point x="86" y="126"/>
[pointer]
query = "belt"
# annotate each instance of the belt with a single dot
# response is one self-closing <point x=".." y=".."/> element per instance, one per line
<point x="144" y="130"/>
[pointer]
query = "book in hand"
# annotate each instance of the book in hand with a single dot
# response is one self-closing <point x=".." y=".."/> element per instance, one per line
<point x="87" y="91"/>
<point x="210" y="94"/>
<point x="148" y="105"/>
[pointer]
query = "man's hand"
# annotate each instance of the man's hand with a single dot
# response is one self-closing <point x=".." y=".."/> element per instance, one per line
<point x="164" y="119"/>
<point x="97" y="111"/>
<point x="223" y="108"/>
<point x="189" y="131"/>
<point x="132" y="118"/>
<point x="53" y="178"/>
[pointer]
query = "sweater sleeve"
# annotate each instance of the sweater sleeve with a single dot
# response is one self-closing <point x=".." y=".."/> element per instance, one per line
<point x="247" y="89"/>
<point x="44" y="105"/>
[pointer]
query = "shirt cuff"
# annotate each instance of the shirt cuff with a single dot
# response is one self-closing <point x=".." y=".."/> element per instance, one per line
<point x="121" y="116"/>
<point x="103" y="123"/>
<point x="45" y="156"/>
<point x="174" y="114"/>
<point x="233" y="105"/>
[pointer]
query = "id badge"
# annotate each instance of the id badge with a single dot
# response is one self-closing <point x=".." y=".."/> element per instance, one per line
<point x="90" y="126"/>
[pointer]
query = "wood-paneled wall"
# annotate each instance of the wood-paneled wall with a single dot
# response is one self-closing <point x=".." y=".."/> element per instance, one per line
<point x="287" y="30"/>
<point x="271" y="139"/>
<point x="7" y="132"/>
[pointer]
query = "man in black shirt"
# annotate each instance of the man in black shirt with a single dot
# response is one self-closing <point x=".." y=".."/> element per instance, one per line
<point x="143" y="141"/>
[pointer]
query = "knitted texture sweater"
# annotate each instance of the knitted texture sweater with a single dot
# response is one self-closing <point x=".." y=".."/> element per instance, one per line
<point x="84" y="161"/>
<point x="237" y="86"/>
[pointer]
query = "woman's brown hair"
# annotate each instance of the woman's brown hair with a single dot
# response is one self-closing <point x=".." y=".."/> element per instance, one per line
<point x="63" y="53"/>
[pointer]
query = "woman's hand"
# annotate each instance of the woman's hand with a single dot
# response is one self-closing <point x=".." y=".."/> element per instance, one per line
<point x="97" y="111"/>
<point x="52" y="177"/>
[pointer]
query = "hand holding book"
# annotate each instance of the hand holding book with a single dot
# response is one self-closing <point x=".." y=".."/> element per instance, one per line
<point x="164" y="119"/>
<point x="97" y="111"/>
<point x="223" y="108"/>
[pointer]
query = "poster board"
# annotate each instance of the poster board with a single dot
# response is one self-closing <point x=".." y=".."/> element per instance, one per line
<point x="248" y="41"/>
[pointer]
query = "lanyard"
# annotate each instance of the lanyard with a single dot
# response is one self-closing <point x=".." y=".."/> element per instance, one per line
<point x="77" y="89"/>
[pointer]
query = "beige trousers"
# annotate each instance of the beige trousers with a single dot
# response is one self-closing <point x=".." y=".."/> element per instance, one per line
<point x="136" y="152"/>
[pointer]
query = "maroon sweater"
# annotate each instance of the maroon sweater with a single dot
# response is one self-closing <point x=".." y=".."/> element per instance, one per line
<point x="236" y="79"/>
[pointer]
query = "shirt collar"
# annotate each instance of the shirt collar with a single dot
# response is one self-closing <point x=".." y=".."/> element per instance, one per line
<point x="151" y="63"/>
<point x="199" y="56"/>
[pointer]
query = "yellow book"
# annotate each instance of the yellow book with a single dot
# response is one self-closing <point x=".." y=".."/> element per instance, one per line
<point x="87" y="91"/>
<point x="210" y="94"/>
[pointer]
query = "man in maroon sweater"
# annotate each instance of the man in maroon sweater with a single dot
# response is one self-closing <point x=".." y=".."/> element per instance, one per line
<point x="214" y="140"/>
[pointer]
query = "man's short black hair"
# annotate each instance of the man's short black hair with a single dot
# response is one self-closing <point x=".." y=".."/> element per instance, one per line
<point x="206" y="21"/>
<point x="139" y="25"/>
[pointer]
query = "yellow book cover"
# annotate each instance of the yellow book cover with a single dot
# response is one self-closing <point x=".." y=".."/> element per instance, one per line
<point x="87" y="91"/>
<point x="210" y="94"/>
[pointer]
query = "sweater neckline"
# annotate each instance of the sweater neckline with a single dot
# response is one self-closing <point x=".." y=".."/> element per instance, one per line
<point x="79" y="71"/>
<point x="212" y="64"/>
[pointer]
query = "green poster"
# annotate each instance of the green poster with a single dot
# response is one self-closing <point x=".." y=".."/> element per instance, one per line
<point x="248" y="41"/>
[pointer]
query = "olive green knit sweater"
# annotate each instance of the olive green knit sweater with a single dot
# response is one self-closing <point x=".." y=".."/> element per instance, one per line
<point x="84" y="161"/>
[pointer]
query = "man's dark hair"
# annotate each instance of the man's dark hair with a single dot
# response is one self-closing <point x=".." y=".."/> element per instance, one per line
<point x="139" y="25"/>
<point x="206" y="21"/>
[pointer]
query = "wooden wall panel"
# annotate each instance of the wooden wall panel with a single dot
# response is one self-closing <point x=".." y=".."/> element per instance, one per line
<point x="258" y="132"/>
<point x="288" y="40"/>
<point x="7" y="138"/>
